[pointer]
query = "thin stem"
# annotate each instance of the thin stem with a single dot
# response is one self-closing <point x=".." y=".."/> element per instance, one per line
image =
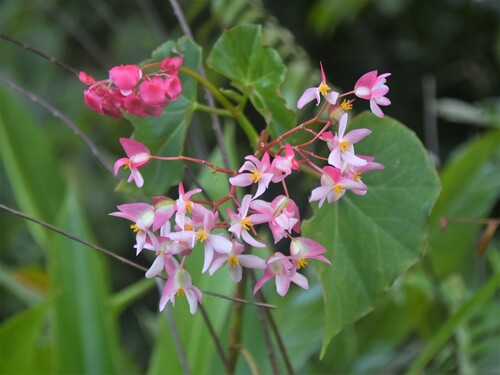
<point x="217" y="342"/>
<point x="234" y="344"/>
<point x="39" y="53"/>
<point x="208" y="109"/>
<point x="115" y="256"/>
<point x="70" y="124"/>
<point x="195" y="160"/>
<point x="250" y="360"/>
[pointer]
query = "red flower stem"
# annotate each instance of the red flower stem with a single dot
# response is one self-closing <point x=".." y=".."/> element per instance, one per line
<point x="301" y="152"/>
<point x="328" y="124"/>
<point x="195" y="160"/>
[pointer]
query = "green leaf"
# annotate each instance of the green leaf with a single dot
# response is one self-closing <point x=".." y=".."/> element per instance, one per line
<point x="164" y="135"/>
<point x="471" y="186"/>
<point x="374" y="238"/>
<point x="19" y="337"/>
<point x="255" y="70"/>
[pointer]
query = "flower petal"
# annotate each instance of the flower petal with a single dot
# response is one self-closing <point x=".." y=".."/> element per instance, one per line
<point x="310" y="94"/>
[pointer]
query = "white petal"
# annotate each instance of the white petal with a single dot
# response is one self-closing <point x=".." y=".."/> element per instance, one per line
<point x="310" y="94"/>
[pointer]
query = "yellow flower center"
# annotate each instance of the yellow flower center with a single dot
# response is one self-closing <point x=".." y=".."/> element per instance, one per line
<point x="188" y="227"/>
<point x="344" y="146"/>
<point x="201" y="235"/>
<point x="189" y="206"/>
<point x="323" y="88"/>
<point x="346" y="105"/>
<point x="356" y="177"/>
<point x="233" y="261"/>
<point x="255" y="177"/>
<point x="246" y="223"/>
<point x="181" y="292"/>
<point x="338" y="189"/>
<point x="126" y="165"/>
<point x="302" y="262"/>
<point x="136" y="229"/>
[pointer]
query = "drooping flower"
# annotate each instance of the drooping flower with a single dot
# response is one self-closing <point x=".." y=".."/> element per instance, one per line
<point x="342" y="152"/>
<point x="315" y="92"/>
<point x="259" y="172"/>
<point x="235" y="261"/>
<point x="373" y="88"/>
<point x="284" y="272"/>
<point x="354" y="173"/>
<point x="333" y="186"/>
<point x="164" y="248"/>
<point x="179" y="283"/>
<point x="138" y="156"/>
<point x="241" y="223"/>
<point x="282" y="166"/>
<point x="302" y="248"/>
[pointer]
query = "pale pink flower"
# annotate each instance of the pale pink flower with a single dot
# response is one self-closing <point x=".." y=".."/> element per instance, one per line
<point x="284" y="272"/>
<point x="354" y="173"/>
<point x="282" y="215"/>
<point x="241" y="224"/>
<point x="302" y="248"/>
<point x="259" y="172"/>
<point x="373" y="88"/>
<point x="184" y="204"/>
<point x="342" y="153"/>
<point x="333" y="186"/>
<point x="315" y="92"/>
<point x="164" y="208"/>
<point x="235" y="261"/>
<point x="179" y="283"/>
<point x="282" y="166"/>
<point x="164" y="248"/>
<point x="138" y="156"/>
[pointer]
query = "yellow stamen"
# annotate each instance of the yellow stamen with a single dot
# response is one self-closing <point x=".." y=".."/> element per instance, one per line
<point x="338" y="189"/>
<point x="189" y="206"/>
<point x="188" y="227"/>
<point x="346" y="105"/>
<point x="201" y="235"/>
<point x="246" y="223"/>
<point x="255" y="177"/>
<point x="302" y="263"/>
<point x="356" y="177"/>
<point x="181" y="292"/>
<point x="126" y="165"/>
<point x="344" y="146"/>
<point x="136" y="229"/>
<point x="323" y="88"/>
<point x="233" y="261"/>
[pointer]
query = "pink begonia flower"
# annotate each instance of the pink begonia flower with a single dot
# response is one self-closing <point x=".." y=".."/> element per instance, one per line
<point x="125" y="77"/>
<point x="183" y="204"/>
<point x="315" y="92"/>
<point x="86" y="79"/>
<point x="142" y="215"/>
<point x="282" y="166"/>
<point x="179" y="283"/>
<point x="106" y="101"/>
<point x="134" y="105"/>
<point x="138" y="156"/>
<point x="354" y="173"/>
<point x="153" y="92"/>
<point x="259" y="173"/>
<point x="302" y="248"/>
<point x="282" y="215"/>
<point x="164" y="248"/>
<point x="235" y="260"/>
<point x="173" y="87"/>
<point x="164" y="208"/>
<point x="241" y="224"/>
<point x="333" y="186"/>
<point x="373" y="88"/>
<point x="280" y="267"/>
<point x="171" y="65"/>
<point x="342" y="153"/>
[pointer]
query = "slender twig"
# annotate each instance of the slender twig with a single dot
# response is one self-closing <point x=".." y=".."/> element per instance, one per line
<point x="250" y="361"/>
<point x="174" y="332"/>
<point x="234" y="345"/>
<point x="58" y="114"/>
<point x="38" y="52"/>
<point x="116" y="256"/>
<point x="217" y="342"/>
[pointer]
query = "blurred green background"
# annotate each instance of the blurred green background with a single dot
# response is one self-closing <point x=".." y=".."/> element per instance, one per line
<point x="444" y="57"/>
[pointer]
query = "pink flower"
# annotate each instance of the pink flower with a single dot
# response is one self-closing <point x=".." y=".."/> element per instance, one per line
<point x="138" y="156"/>
<point x="302" y="248"/>
<point x="235" y="260"/>
<point x="164" y="208"/>
<point x="153" y="92"/>
<point x="280" y="267"/>
<point x="241" y="224"/>
<point x="354" y="173"/>
<point x="259" y="173"/>
<point x="315" y="92"/>
<point x="171" y="65"/>
<point x="333" y="186"/>
<point x="372" y="87"/>
<point x="282" y="166"/>
<point x="125" y="77"/>
<point x="164" y="248"/>
<point x="282" y="215"/>
<point x="184" y="204"/>
<point x="179" y="283"/>
<point x="342" y="153"/>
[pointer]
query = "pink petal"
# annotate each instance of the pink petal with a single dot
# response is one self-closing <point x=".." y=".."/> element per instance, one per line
<point x="156" y="267"/>
<point x="241" y="180"/>
<point x="217" y="263"/>
<point x="119" y="163"/>
<point x="376" y="109"/>
<point x="250" y="240"/>
<point x="282" y="284"/>
<point x="236" y="273"/>
<point x="356" y="135"/>
<point x="209" y="255"/>
<point x="310" y="94"/>
<point x="382" y="101"/>
<point x="332" y="97"/>
<point x="220" y="243"/>
<point x="252" y="261"/>
<point x="133" y="147"/>
<point x="192" y="300"/>
<point x="300" y="280"/>
<point x="136" y="176"/>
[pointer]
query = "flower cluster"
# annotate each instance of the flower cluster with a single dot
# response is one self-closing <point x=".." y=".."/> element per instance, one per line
<point x="132" y="90"/>
<point x="173" y="229"/>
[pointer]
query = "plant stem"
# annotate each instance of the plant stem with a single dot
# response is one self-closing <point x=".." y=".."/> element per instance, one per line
<point x="207" y="109"/>
<point x="234" y="344"/>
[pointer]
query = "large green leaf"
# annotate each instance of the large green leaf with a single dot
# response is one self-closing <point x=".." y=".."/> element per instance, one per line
<point x="374" y="238"/>
<point x="19" y="337"/>
<point x="255" y="70"/>
<point x="164" y="135"/>
<point x="471" y="186"/>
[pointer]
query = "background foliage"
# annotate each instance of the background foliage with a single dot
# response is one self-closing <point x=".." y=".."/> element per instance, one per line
<point x="440" y="312"/>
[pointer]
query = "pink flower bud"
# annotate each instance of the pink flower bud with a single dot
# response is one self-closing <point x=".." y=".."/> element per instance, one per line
<point x="153" y="92"/>
<point x="171" y="65"/>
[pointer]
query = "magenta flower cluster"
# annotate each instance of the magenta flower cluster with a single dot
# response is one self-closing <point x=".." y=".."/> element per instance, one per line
<point x="130" y="90"/>
<point x="173" y="228"/>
